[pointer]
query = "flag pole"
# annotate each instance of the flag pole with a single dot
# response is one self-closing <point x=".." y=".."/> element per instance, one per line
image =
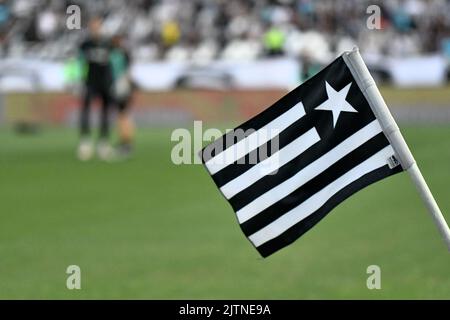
<point x="366" y="83"/>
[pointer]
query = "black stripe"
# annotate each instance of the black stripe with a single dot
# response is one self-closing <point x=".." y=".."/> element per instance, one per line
<point x="311" y="93"/>
<point x="303" y="226"/>
<point x="268" y="182"/>
<point x="316" y="184"/>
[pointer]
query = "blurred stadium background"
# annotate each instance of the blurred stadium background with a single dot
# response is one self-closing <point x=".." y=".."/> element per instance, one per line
<point x="146" y="228"/>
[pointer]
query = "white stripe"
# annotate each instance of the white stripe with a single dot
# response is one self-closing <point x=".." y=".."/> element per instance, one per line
<point x="309" y="172"/>
<point x="272" y="163"/>
<point x="255" y="139"/>
<point x="309" y="206"/>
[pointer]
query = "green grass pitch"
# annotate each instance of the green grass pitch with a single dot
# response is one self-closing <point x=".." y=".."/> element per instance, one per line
<point x="147" y="229"/>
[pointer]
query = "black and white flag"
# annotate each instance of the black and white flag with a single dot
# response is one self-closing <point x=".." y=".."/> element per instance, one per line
<point x="288" y="167"/>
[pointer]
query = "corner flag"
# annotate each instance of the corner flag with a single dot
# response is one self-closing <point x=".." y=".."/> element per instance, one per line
<point x="328" y="138"/>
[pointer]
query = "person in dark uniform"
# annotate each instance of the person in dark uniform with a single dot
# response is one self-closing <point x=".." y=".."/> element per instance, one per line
<point x="122" y="92"/>
<point x="95" y="53"/>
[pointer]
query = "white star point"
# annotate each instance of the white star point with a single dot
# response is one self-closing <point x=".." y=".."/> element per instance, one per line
<point x="336" y="102"/>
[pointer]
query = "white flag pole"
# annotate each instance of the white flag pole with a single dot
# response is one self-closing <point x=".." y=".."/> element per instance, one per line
<point x="366" y="83"/>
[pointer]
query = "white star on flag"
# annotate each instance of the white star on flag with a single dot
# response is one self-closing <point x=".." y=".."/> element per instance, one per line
<point x="336" y="102"/>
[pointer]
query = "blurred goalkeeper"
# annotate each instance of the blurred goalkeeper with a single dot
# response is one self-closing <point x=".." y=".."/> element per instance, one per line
<point x="95" y="53"/>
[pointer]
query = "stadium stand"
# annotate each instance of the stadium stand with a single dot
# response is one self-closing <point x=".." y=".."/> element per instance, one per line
<point x="203" y="30"/>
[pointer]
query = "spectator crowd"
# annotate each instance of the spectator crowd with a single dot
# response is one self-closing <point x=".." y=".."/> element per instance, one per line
<point x="203" y="30"/>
